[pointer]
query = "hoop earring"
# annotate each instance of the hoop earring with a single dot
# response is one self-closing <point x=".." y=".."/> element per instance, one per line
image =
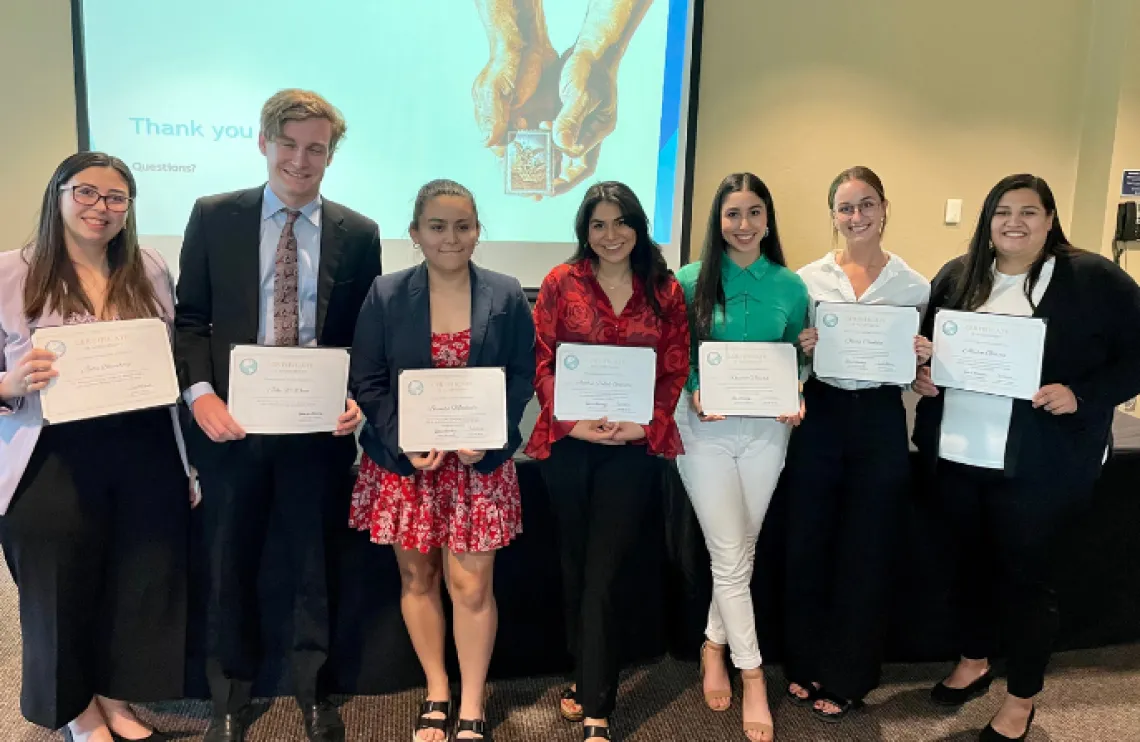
<point x="765" y="234"/>
<point x="415" y="246"/>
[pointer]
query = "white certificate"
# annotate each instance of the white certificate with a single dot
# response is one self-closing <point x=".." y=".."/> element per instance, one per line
<point x="749" y="379"/>
<point x="611" y="381"/>
<point x="452" y="408"/>
<point x="989" y="353"/>
<point x="279" y="390"/>
<point x="106" y="368"/>
<point x="865" y="342"/>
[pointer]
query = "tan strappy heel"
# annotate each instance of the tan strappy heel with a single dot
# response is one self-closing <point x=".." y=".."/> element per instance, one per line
<point x="766" y="732"/>
<point x="718" y="694"/>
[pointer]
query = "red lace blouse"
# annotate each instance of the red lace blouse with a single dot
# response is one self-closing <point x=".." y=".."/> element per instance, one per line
<point x="573" y="308"/>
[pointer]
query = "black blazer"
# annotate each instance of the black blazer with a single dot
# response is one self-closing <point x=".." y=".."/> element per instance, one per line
<point x="394" y="333"/>
<point x="219" y="281"/>
<point x="1092" y="345"/>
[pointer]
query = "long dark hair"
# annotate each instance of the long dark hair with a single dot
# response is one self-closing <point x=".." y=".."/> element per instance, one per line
<point x="646" y="260"/>
<point x="53" y="284"/>
<point x="709" y="292"/>
<point x="977" y="280"/>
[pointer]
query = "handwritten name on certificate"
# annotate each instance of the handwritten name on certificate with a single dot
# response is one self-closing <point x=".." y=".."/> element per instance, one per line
<point x="452" y="408"/>
<point x="286" y="390"/>
<point x="988" y="353"/>
<point x="610" y="381"/>
<point x="749" y="379"/>
<point x="865" y="342"/>
<point x="106" y="368"/>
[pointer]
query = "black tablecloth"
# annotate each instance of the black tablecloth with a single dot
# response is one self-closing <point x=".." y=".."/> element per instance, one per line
<point x="665" y="605"/>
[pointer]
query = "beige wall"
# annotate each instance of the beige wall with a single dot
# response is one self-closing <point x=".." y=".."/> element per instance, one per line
<point x="941" y="100"/>
<point x="37" y="127"/>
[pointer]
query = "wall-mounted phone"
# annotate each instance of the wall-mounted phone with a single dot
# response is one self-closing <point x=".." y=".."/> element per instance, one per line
<point x="1127" y="222"/>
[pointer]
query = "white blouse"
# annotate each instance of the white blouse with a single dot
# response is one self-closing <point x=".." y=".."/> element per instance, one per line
<point x="975" y="426"/>
<point x="898" y="285"/>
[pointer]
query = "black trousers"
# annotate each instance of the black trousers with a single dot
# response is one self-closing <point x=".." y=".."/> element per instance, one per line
<point x="1002" y="531"/>
<point x="848" y="471"/>
<point x="96" y="539"/>
<point x="301" y="481"/>
<point x="600" y="496"/>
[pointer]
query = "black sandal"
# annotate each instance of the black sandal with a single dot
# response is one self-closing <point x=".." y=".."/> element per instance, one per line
<point x="846" y="706"/>
<point x="479" y="726"/>
<point x="591" y="731"/>
<point x="569" y="694"/>
<point x="808" y="700"/>
<point x="423" y="721"/>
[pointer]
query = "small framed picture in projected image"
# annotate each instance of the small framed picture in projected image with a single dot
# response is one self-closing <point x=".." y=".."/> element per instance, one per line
<point x="529" y="161"/>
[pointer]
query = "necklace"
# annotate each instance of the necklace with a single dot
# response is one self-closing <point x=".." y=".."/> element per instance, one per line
<point x="620" y="280"/>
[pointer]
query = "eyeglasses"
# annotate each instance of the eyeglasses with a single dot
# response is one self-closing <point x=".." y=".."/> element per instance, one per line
<point x="866" y="208"/>
<point x="86" y="195"/>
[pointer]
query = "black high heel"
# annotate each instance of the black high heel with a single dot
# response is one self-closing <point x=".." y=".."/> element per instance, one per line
<point x="943" y="695"/>
<point x="989" y="734"/>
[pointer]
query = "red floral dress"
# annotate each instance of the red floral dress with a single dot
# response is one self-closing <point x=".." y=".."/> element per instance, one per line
<point x="454" y="506"/>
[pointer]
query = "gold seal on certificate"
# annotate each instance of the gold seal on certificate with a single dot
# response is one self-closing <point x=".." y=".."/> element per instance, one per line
<point x="106" y="368"/>
<point x="749" y="379"/>
<point x="989" y="353"/>
<point x="447" y="409"/>
<point x="282" y="390"/>
<point x="865" y="342"/>
<point x="610" y="381"/>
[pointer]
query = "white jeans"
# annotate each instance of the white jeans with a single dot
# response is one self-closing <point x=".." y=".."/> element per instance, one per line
<point x="730" y="469"/>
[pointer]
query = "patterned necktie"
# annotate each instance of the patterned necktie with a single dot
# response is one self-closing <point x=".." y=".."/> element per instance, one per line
<point x="285" y="303"/>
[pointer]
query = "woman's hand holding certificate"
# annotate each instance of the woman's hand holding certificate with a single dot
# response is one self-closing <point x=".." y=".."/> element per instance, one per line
<point x="451" y="409"/>
<point x="106" y="368"/>
<point x="750" y="379"/>
<point x="989" y="353"/>
<point x="865" y="342"/>
<point x="615" y="382"/>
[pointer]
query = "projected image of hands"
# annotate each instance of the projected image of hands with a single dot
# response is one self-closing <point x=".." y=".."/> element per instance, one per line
<point x="547" y="113"/>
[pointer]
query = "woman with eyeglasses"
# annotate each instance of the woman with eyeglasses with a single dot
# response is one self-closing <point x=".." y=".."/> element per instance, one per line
<point x="848" y="472"/>
<point x="93" y="513"/>
<point x="1010" y="473"/>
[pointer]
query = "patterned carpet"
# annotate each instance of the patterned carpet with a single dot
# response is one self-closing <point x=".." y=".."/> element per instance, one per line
<point x="1092" y="696"/>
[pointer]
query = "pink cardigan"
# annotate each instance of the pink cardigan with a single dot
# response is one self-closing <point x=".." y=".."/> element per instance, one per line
<point x="20" y="426"/>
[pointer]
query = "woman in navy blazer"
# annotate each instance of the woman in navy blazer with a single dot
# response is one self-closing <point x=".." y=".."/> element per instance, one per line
<point x="443" y="511"/>
<point x="94" y="515"/>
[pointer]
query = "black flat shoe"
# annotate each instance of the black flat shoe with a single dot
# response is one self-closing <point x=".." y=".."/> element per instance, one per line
<point x="943" y="695"/>
<point x="155" y="736"/>
<point x="479" y="726"/>
<point x="845" y="705"/>
<point x="989" y="734"/>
